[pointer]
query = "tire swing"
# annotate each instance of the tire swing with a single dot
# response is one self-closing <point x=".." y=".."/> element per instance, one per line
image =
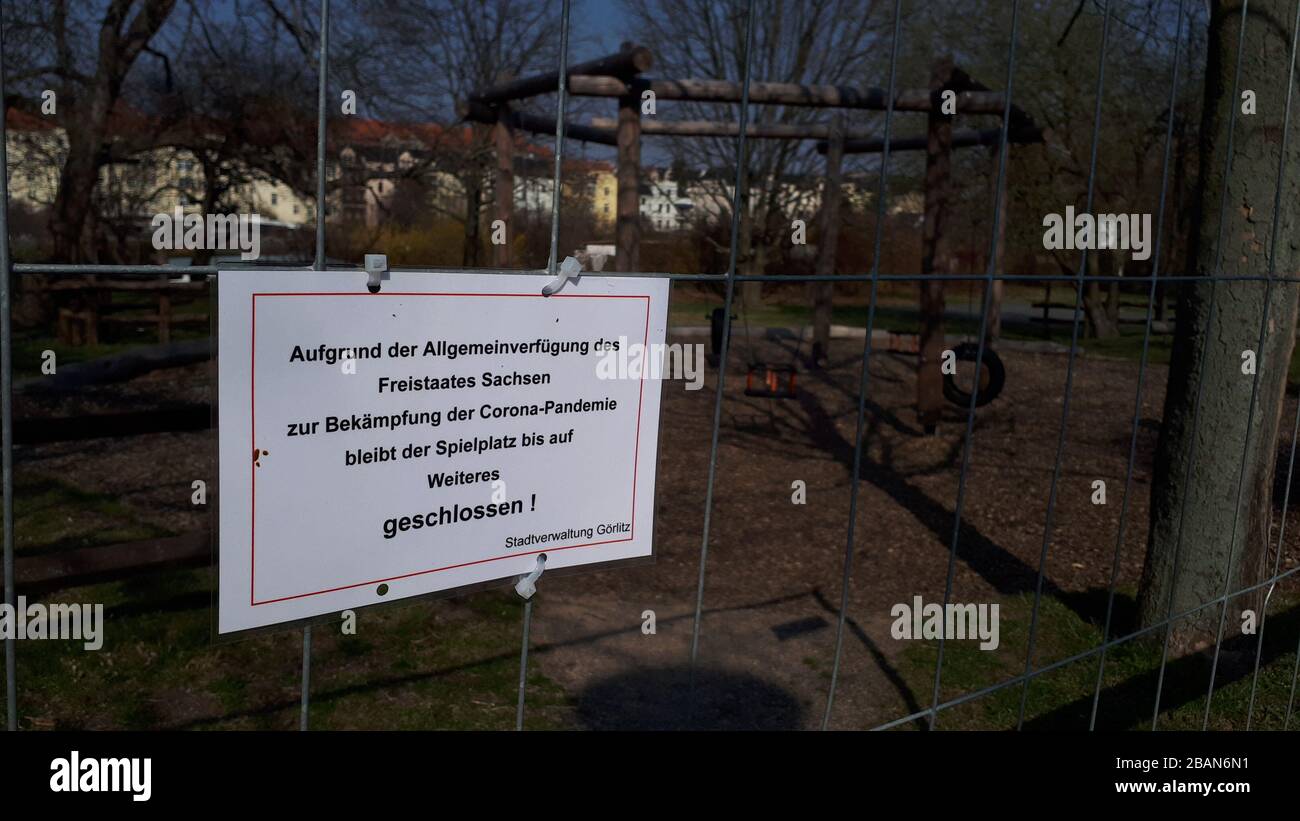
<point x="770" y="381"/>
<point x="766" y="380"/>
<point x="992" y="376"/>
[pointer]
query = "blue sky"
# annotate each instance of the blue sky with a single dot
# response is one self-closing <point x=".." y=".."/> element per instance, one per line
<point x="602" y="22"/>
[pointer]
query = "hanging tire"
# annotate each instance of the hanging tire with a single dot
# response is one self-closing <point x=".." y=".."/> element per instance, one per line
<point x="989" y="387"/>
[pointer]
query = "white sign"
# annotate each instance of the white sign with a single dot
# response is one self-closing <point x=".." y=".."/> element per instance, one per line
<point x="441" y="433"/>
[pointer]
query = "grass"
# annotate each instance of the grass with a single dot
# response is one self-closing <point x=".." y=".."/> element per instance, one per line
<point x="1062" y="699"/>
<point x="422" y="665"/>
<point x="42" y="523"/>
<point x="29" y="349"/>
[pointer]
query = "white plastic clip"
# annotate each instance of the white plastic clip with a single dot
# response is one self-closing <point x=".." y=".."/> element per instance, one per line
<point x="527" y="585"/>
<point x="376" y="269"/>
<point x="569" y="269"/>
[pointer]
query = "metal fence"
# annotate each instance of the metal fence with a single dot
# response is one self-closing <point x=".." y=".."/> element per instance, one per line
<point x="874" y="278"/>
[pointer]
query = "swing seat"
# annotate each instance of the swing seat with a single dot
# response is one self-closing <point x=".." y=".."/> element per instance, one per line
<point x="770" y="381"/>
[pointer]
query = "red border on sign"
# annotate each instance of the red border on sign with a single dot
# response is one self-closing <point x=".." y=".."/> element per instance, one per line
<point x="252" y="599"/>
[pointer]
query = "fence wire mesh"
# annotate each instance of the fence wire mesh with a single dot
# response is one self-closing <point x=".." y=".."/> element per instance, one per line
<point x="855" y="544"/>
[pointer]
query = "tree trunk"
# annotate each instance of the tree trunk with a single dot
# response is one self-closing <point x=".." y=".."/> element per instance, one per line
<point x="1094" y="308"/>
<point x="1223" y="539"/>
<point x="120" y="43"/>
<point x="1112" y="288"/>
<point x="473" y="205"/>
<point x="627" y="225"/>
<point x="77" y="181"/>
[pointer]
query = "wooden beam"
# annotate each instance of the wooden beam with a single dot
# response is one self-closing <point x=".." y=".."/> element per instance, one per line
<point x="76" y="376"/>
<point x="627" y="231"/>
<point x="961" y="81"/>
<point x="121" y="285"/>
<point x="935" y="257"/>
<point x="112" y="425"/>
<point x="856" y="140"/>
<point x="477" y="112"/>
<point x="706" y="128"/>
<point x="87" y="565"/>
<point x="535" y="124"/>
<point x="628" y="61"/>
<point x="792" y="94"/>
<point x="960" y="139"/>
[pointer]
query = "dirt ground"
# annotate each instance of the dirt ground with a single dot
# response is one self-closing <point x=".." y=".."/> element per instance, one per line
<point x="772" y="579"/>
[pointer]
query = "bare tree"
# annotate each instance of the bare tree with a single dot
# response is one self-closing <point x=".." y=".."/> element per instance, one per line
<point x="795" y="41"/>
<point x="437" y="53"/>
<point x="87" y="98"/>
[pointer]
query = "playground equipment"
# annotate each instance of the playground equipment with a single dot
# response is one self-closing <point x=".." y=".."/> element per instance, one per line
<point x="952" y="92"/>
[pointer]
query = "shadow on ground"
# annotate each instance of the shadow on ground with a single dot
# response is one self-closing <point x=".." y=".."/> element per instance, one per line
<point x="658" y="700"/>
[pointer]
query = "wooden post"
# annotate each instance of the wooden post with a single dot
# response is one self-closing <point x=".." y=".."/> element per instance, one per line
<point x="627" y="233"/>
<point x="935" y="252"/>
<point x="1047" y="312"/>
<point x="824" y="290"/>
<point x="92" y="322"/>
<point x="164" y="314"/>
<point x="504" y="137"/>
<point x="993" y="331"/>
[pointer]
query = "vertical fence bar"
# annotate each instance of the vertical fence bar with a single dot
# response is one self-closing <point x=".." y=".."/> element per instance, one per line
<point x="1142" y="365"/>
<point x="979" y="358"/>
<point x="523" y="664"/>
<point x="865" y="375"/>
<point x="1290" y="703"/>
<point x="323" y="86"/>
<point x="1200" y="379"/>
<point x="560" y="106"/>
<point x="319" y="265"/>
<point x="1254" y="392"/>
<point x="1069" y="372"/>
<point x="562" y="91"/>
<point x="728" y="300"/>
<point x="305" y="709"/>
<point x="321" y="123"/>
<point x="6" y="406"/>
<point x="1277" y="563"/>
